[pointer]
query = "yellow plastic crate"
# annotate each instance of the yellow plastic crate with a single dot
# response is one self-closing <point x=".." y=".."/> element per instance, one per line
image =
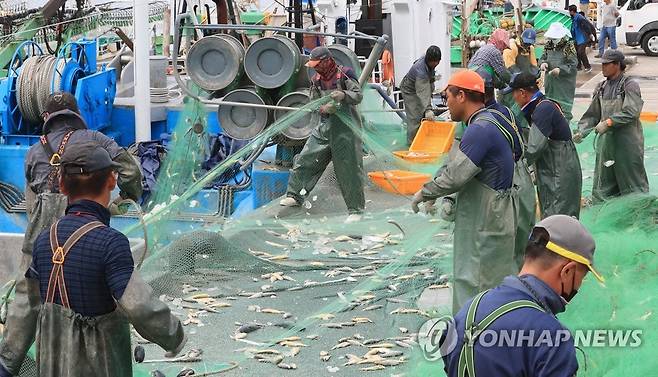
<point x="400" y="182"/>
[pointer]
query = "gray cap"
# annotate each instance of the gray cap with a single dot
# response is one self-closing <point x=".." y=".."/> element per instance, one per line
<point x="85" y="158"/>
<point x="571" y="240"/>
<point x="610" y="56"/>
<point x="318" y="54"/>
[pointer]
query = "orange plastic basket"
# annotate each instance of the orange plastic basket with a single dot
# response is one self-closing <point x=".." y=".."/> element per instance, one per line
<point x="434" y="136"/>
<point x="433" y="139"/>
<point x="400" y="182"/>
<point x="649" y="117"/>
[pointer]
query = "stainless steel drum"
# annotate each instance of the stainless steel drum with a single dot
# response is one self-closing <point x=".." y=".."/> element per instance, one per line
<point x="343" y="56"/>
<point x="271" y="62"/>
<point x="300" y="130"/>
<point x="215" y="62"/>
<point x="241" y="122"/>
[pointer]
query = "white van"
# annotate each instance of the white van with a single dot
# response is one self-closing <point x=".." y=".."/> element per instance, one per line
<point x="638" y="25"/>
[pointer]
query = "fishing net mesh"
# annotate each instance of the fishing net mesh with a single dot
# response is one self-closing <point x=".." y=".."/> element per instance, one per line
<point x="297" y="291"/>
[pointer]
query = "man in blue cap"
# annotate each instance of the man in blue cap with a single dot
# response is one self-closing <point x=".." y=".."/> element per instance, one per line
<point x="520" y="56"/>
<point x="550" y="148"/>
<point x="520" y="312"/>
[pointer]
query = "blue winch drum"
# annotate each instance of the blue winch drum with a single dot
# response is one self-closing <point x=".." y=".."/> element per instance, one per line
<point x="215" y="62"/>
<point x="240" y="122"/>
<point x="271" y="62"/>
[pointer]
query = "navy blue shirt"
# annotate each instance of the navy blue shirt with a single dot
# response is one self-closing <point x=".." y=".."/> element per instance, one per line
<point x="484" y="144"/>
<point x="530" y="356"/>
<point x="507" y="112"/>
<point x="547" y="116"/>
<point x="97" y="268"/>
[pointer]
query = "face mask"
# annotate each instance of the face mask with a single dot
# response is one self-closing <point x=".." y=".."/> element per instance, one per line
<point x="569" y="296"/>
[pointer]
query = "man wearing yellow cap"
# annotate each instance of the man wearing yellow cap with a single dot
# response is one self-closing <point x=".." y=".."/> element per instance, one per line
<point x="520" y="313"/>
<point x="481" y="172"/>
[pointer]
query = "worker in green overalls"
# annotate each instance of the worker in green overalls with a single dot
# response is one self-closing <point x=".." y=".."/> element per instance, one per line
<point x="331" y="141"/>
<point x="559" y="61"/>
<point x="615" y="115"/>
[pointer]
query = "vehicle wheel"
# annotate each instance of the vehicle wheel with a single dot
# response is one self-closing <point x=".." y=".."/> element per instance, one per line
<point x="650" y="43"/>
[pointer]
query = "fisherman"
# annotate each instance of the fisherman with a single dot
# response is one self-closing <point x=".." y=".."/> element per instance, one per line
<point x="481" y="172"/>
<point x="82" y="289"/>
<point x="559" y="61"/>
<point x="332" y="141"/>
<point x="521" y="57"/>
<point x="63" y="127"/>
<point x="558" y="256"/>
<point x="550" y="149"/>
<point x="490" y="57"/>
<point x="417" y="88"/>
<point x="525" y="205"/>
<point x="615" y="115"/>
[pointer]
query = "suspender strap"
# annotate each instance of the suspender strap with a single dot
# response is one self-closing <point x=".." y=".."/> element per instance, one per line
<point x="502" y="129"/>
<point x="56" y="281"/>
<point x="54" y="158"/>
<point x="512" y="121"/>
<point x="472" y="331"/>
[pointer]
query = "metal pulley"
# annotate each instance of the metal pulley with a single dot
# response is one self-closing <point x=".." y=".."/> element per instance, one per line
<point x="241" y="122"/>
<point x="271" y="62"/>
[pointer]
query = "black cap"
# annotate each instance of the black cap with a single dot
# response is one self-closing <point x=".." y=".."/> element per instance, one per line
<point x="85" y="158"/>
<point x="612" y="56"/>
<point x="61" y="101"/>
<point x="520" y="80"/>
<point x="317" y="55"/>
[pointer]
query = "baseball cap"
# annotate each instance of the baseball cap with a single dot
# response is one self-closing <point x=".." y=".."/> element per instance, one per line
<point x="571" y="240"/>
<point x="529" y="36"/>
<point x="519" y="81"/>
<point x="610" y="56"/>
<point x="468" y="80"/>
<point x="85" y="158"/>
<point x="318" y="54"/>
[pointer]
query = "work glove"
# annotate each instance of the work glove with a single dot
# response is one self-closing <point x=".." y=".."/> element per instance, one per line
<point x="328" y="109"/>
<point x="554" y="72"/>
<point x="430" y="209"/>
<point x="577" y="137"/>
<point x="337" y="95"/>
<point x="544" y="66"/>
<point x="175" y="352"/>
<point x="429" y="114"/>
<point x="602" y="127"/>
<point x="448" y="209"/>
<point x="416" y="200"/>
<point x="119" y="206"/>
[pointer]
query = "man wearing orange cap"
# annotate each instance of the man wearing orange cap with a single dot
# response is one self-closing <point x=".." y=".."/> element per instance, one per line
<point x="331" y="141"/>
<point x="481" y="172"/>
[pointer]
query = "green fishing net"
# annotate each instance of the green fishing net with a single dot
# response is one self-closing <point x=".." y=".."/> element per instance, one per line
<point x="297" y="291"/>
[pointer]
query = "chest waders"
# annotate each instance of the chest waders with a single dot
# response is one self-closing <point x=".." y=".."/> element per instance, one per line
<point x="50" y="205"/>
<point x="526" y="198"/>
<point x="473" y="330"/>
<point x="82" y="345"/>
<point x="485" y="226"/>
<point x="624" y="146"/>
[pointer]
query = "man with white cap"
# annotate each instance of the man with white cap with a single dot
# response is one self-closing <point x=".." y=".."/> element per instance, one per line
<point x="560" y="62"/>
<point x="331" y="141"/>
<point x="559" y="254"/>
